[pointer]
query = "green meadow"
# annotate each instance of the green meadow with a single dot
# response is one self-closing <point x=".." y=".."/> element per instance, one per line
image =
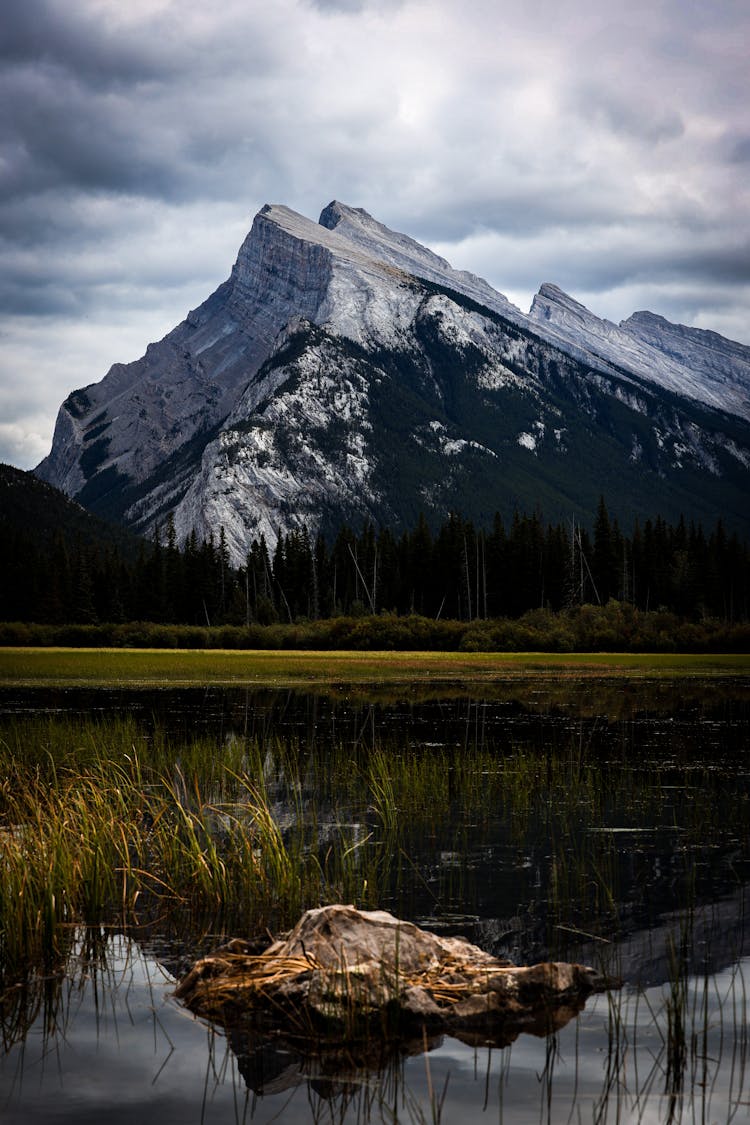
<point x="28" y="666"/>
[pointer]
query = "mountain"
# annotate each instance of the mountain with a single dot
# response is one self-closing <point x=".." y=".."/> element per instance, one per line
<point x="31" y="507"/>
<point x="689" y="361"/>
<point x="344" y="371"/>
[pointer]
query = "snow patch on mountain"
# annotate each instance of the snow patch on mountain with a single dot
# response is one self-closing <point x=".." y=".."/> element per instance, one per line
<point x="436" y="438"/>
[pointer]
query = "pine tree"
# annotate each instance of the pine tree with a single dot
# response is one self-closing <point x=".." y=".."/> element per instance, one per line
<point x="605" y="562"/>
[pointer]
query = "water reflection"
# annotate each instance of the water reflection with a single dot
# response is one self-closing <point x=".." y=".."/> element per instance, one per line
<point x="701" y="710"/>
<point x="601" y="821"/>
<point x="108" y="1042"/>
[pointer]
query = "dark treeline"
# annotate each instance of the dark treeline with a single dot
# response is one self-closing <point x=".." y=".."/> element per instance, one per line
<point x="457" y="572"/>
<point x="465" y="573"/>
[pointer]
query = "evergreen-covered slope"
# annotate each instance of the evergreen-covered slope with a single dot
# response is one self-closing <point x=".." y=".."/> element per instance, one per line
<point x="32" y="508"/>
<point x="58" y="561"/>
<point x="346" y="372"/>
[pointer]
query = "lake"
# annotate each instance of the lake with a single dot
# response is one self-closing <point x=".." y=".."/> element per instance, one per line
<point x="577" y="817"/>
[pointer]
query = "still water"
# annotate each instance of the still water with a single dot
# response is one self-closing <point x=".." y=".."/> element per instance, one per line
<point x="628" y="849"/>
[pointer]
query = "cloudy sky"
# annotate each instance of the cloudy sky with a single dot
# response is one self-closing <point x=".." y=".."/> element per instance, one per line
<point x="600" y="144"/>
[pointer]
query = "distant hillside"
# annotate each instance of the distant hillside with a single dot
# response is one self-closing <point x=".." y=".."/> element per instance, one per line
<point x="60" y="564"/>
<point x="32" y="508"/>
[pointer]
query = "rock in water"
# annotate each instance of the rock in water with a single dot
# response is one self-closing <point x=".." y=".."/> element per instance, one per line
<point x="343" y="972"/>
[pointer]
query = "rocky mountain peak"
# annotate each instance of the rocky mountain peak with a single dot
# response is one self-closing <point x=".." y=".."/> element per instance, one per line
<point x="359" y="227"/>
<point x="553" y="304"/>
<point x="288" y="248"/>
<point x="652" y="324"/>
<point x="337" y="212"/>
<point x="690" y="361"/>
<point x="387" y="246"/>
<point x="344" y="371"/>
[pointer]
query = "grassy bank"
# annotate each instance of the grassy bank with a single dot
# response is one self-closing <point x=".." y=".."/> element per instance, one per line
<point x="27" y="666"/>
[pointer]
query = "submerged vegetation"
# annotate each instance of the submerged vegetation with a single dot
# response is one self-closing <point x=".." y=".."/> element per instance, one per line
<point x="91" y="833"/>
<point x="104" y="824"/>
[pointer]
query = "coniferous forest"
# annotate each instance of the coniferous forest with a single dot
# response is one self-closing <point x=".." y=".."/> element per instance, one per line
<point x="456" y="572"/>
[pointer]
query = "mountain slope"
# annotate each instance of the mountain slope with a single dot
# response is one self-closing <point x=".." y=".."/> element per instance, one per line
<point x="346" y="372"/>
<point x="29" y="506"/>
<point x="699" y="364"/>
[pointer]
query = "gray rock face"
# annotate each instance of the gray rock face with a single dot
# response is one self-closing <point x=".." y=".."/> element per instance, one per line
<point x="143" y="412"/>
<point x="343" y="371"/>
<point x="702" y="365"/>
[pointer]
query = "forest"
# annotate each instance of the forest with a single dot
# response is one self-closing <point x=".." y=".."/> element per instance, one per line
<point x="455" y="571"/>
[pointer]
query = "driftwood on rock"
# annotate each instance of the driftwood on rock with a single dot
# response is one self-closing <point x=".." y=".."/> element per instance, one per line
<point x="342" y="971"/>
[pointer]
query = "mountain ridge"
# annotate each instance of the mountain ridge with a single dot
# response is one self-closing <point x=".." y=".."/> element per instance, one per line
<point x="692" y="361"/>
<point x="344" y="371"/>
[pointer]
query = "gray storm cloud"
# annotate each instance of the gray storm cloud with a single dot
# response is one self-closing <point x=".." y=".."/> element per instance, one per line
<point x="601" y="145"/>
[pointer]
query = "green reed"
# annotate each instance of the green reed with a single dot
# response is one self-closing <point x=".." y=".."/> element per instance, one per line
<point x="109" y="821"/>
<point x="94" y="826"/>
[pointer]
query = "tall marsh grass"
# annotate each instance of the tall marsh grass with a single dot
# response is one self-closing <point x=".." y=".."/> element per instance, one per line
<point x="102" y="823"/>
<point x="96" y="825"/>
